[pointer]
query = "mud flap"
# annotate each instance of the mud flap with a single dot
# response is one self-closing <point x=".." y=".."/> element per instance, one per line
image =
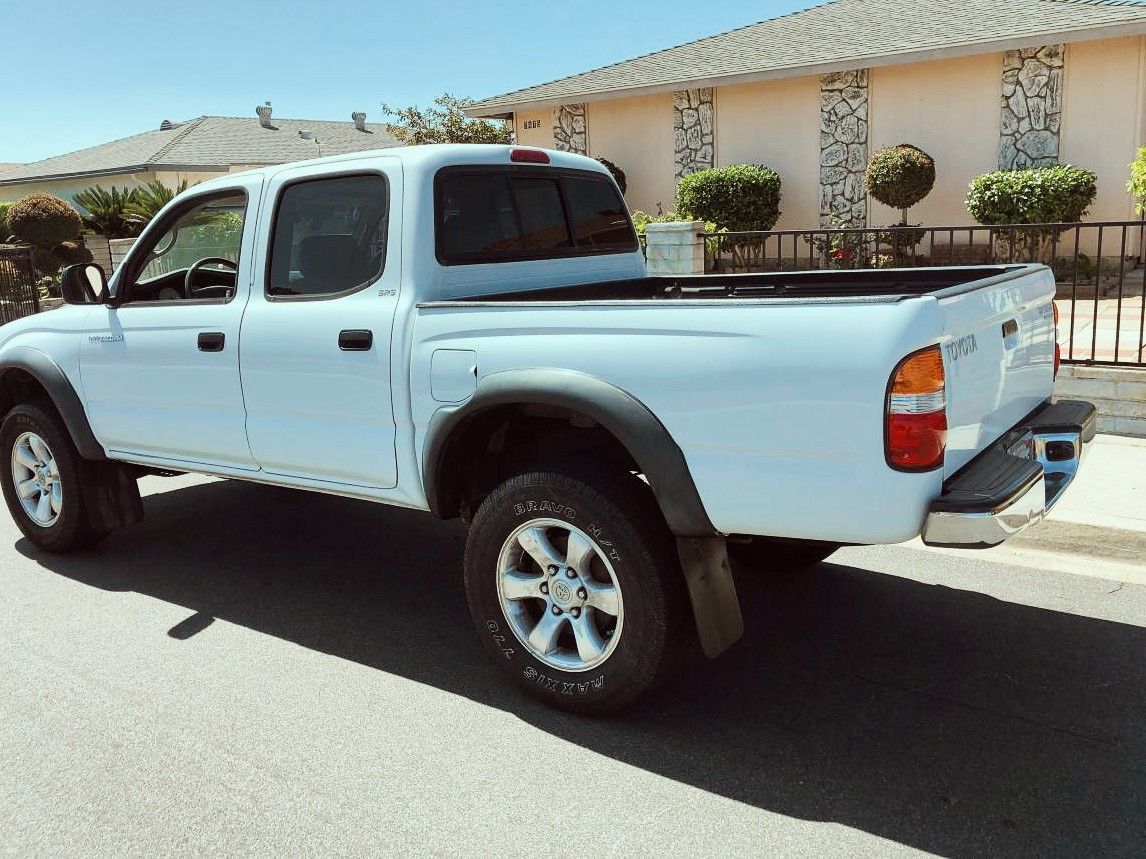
<point x="111" y="495"/>
<point x="715" y="605"/>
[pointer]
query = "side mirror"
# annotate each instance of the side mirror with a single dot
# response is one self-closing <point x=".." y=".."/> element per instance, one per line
<point x="83" y="284"/>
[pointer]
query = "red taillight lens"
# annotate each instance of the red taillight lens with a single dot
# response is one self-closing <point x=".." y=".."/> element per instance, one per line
<point x="528" y="156"/>
<point x="916" y="429"/>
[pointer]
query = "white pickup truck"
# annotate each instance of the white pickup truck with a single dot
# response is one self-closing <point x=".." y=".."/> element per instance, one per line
<point x="470" y="330"/>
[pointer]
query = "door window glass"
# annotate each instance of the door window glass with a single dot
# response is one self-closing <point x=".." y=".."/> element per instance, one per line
<point x="204" y="242"/>
<point x="329" y="236"/>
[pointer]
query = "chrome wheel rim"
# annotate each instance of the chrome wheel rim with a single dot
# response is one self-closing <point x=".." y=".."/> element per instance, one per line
<point x="36" y="477"/>
<point x="560" y="595"/>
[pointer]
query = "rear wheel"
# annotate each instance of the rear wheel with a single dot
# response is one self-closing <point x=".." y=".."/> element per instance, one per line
<point x="773" y="555"/>
<point x="42" y="481"/>
<point x="575" y="588"/>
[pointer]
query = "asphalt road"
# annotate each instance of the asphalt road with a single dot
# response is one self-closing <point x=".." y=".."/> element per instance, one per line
<point x="257" y="670"/>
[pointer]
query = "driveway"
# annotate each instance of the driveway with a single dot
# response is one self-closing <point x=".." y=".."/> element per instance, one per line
<point x="259" y="670"/>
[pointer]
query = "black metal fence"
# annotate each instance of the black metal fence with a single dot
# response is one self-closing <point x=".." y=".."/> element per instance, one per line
<point x="1097" y="265"/>
<point x="19" y="294"/>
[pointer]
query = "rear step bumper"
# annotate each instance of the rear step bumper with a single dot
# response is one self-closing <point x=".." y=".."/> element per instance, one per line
<point x="1015" y="482"/>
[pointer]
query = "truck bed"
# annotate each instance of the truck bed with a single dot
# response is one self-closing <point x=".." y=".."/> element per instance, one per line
<point x="883" y="284"/>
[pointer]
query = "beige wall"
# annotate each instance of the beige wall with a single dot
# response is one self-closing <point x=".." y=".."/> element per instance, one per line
<point x="950" y="109"/>
<point x="1102" y="118"/>
<point x="637" y="135"/>
<point x="67" y="189"/>
<point x="541" y="136"/>
<point x="776" y="123"/>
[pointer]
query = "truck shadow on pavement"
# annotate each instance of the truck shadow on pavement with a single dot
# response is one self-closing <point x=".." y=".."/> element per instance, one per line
<point x="937" y="718"/>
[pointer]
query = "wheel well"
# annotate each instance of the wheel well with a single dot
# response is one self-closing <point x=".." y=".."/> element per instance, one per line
<point x="493" y="444"/>
<point x="19" y="386"/>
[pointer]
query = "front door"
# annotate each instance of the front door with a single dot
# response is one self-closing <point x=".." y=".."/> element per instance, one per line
<point x="160" y="370"/>
<point x="316" y="335"/>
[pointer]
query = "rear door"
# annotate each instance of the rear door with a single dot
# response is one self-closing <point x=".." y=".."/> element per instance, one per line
<point x="998" y="353"/>
<point x="315" y="339"/>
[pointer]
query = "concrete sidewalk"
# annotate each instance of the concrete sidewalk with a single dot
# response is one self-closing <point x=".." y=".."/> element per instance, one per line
<point x="1098" y="528"/>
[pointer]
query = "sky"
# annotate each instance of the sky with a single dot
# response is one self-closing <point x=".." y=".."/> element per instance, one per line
<point x="87" y="73"/>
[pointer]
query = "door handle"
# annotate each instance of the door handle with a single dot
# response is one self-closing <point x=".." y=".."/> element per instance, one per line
<point x="211" y="341"/>
<point x="355" y="340"/>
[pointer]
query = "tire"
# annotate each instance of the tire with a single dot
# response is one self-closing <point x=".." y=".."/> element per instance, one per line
<point x="775" y="555"/>
<point x="619" y="629"/>
<point x="36" y="429"/>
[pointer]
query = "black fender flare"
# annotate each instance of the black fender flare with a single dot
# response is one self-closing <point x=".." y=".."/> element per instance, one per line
<point x="63" y="396"/>
<point x="627" y="418"/>
<point x="701" y="548"/>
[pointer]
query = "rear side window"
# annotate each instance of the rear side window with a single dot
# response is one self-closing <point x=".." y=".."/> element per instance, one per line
<point x="509" y="214"/>
<point x="329" y="236"/>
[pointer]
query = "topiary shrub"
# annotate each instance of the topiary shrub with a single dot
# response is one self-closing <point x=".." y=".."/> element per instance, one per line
<point x="618" y="174"/>
<point x="737" y="198"/>
<point x="1136" y="186"/>
<point x="46" y="223"/>
<point x="900" y="176"/>
<point x="1040" y="195"/>
<point x="5" y="233"/>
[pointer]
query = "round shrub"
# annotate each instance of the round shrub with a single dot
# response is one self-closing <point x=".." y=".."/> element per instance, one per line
<point x="1041" y="195"/>
<point x="900" y="176"/>
<point x="618" y="174"/>
<point x="43" y="221"/>
<point x="738" y="198"/>
<point x="5" y="233"/>
<point x="72" y="253"/>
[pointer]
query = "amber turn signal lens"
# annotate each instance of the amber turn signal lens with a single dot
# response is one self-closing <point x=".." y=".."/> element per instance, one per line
<point x="921" y="373"/>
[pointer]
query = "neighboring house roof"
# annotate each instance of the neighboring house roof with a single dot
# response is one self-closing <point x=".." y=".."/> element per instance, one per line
<point x="835" y="36"/>
<point x="209" y="142"/>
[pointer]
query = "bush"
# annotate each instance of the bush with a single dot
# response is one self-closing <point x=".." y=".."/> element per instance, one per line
<point x="1041" y="195"/>
<point x="1136" y="186"/>
<point x="42" y="220"/>
<point x="51" y="227"/>
<point x="738" y="198"/>
<point x="900" y="176"/>
<point x="5" y="233"/>
<point x="106" y="211"/>
<point x="618" y="174"/>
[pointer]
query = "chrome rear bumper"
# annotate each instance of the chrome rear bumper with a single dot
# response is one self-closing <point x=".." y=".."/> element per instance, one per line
<point x="1015" y="482"/>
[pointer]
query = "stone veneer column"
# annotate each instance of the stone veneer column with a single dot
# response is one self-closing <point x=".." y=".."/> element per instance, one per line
<point x="1031" y="107"/>
<point x="694" y="124"/>
<point x="570" y="129"/>
<point x="843" y="148"/>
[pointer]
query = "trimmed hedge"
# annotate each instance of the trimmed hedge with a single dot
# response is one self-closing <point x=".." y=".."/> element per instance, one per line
<point x="1041" y="195"/>
<point x="42" y="220"/>
<point x="738" y="198"/>
<point x="900" y="176"/>
<point x="5" y="233"/>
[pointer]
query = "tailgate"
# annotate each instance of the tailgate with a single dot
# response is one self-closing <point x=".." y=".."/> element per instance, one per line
<point x="998" y="354"/>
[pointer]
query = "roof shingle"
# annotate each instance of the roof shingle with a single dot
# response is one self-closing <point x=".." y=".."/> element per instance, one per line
<point x="838" y="34"/>
<point x="208" y="142"/>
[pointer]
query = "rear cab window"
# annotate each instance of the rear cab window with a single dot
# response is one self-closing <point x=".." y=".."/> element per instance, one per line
<point x="510" y="214"/>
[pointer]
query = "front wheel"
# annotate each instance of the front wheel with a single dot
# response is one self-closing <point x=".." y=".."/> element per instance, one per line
<point x="42" y="480"/>
<point x="575" y="588"/>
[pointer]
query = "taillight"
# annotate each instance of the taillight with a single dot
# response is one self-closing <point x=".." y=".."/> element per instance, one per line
<point x="1057" y="348"/>
<point x="528" y="156"/>
<point x="916" y="430"/>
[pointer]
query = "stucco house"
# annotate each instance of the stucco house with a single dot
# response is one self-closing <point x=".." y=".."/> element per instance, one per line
<point x="979" y="84"/>
<point x="194" y="150"/>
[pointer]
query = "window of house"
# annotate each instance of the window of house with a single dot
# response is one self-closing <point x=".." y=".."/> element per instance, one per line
<point x="329" y="236"/>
